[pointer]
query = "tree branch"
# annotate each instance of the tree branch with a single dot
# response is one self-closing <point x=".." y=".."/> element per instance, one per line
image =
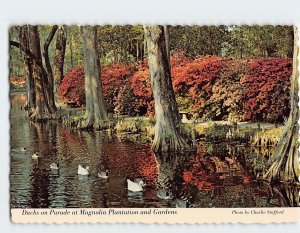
<point x="28" y="53"/>
<point x="25" y="50"/>
<point x="46" y="53"/>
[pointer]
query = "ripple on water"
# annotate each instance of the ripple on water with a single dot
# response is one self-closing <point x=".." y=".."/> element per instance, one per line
<point x="210" y="178"/>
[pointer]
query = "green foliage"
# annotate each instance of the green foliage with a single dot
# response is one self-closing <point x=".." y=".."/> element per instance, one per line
<point x="130" y="125"/>
<point x="189" y="131"/>
<point x="227" y="133"/>
<point x="260" y="41"/>
<point x="16" y="57"/>
<point x="240" y="41"/>
<point x="74" y="53"/>
<point x="242" y="135"/>
<point x="120" y="44"/>
<point x="217" y="132"/>
<point x="267" y="137"/>
<point x="198" y="40"/>
<point x="124" y="101"/>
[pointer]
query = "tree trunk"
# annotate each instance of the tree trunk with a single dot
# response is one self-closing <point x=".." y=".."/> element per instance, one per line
<point x="285" y="161"/>
<point x="28" y="63"/>
<point x="42" y="109"/>
<point x="49" y="80"/>
<point x="59" y="58"/>
<point x="71" y="52"/>
<point x="43" y="80"/>
<point x="137" y="50"/>
<point x="95" y="114"/>
<point x="145" y="47"/>
<point x="167" y="38"/>
<point x="168" y="135"/>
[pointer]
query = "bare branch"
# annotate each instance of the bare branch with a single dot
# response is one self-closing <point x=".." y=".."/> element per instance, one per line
<point x="46" y="52"/>
<point x="25" y="50"/>
<point x="28" y="53"/>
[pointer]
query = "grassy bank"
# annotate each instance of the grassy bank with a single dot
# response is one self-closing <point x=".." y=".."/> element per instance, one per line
<point x="243" y="133"/>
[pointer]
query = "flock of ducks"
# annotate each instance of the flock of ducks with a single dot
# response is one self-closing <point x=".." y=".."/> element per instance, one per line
<point x="135" y="186"/>
<point x="34" y="155"/>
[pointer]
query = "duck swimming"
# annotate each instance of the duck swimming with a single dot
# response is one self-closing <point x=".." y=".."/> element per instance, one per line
<point x="134" y="186"/>
<point x="103" y="175"/>
<point x="184" y="203"/>
<point x="83" y="171"/>
<point x="23" y="149"/>
<point x="35" y="155"/>
<point x="54" y="166"/>
<point x="163" y="194"/>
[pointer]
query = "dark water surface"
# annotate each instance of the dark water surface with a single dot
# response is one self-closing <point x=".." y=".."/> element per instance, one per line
<point x="216" y="176"/>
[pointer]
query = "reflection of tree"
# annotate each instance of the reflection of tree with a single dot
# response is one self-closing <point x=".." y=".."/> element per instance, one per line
<point x="80" y="148"/>
<point x="95" y="142"/>
<point x="210" y="172"/>
<point x="72" y="144"/>
<point x="57" y="187"/>
<point x="264" y="152"/>
<point x="167" y="167"/>
<point x="44" y="138"/>
<point x="170" y="173"/>
<point x="17" y="100"/>
<point x="124" y="161"/>
<point x="219" y="165"/>
<point x="289" y="195"/>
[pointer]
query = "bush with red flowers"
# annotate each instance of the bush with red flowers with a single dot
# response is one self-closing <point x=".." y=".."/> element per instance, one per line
<point x="209" y="87"/>
<point x="266" y="95"/>
<point x="72" y="86"/>
<point x="115" y="80"/>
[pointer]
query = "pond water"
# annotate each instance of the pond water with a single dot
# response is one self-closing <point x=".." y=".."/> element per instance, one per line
<point x="216" y="176"/>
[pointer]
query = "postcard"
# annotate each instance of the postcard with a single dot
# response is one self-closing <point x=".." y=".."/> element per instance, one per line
<point x="154" y="123"/>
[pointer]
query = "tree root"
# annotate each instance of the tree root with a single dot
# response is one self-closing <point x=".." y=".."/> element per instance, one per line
<point x="165" y="141"/>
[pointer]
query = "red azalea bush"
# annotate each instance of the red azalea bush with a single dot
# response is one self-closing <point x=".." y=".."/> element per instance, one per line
<point x="17" y="82"/>
<point x="141" y="87"/>
<point x="72" y="86"/>
<point x="266" y="95"/>
<point x="115" y="81"/>
<point x="194" y="81"/>
<point x="225" y="101"/>
<point x="210" y="87"/>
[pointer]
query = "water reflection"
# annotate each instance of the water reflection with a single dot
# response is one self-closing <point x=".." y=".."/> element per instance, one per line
<point x="218" y="175"/>
<point x="170" y="182"/>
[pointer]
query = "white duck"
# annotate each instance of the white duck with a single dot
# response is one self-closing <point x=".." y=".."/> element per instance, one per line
<point x="103" y="175"/>
<point x="83" y="171"/>
<point x="23" y="149"/>
<point x="134" y="186"/>
<point x="184" y="203"/>
<point x="163" y="194"/>
<point x="35" y="155"/>
<point x="54" y="166"/>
